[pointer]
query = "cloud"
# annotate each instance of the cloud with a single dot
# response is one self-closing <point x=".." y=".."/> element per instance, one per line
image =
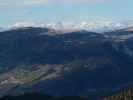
<point x="3" y="4"/>
<point x="42" y="2"/>
<point x="35" y="2"/>
<point x="76" y="1"/>
<point x="21" y="2"/>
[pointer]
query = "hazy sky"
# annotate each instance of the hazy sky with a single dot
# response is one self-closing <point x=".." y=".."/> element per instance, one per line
<point x="12" y="11"/>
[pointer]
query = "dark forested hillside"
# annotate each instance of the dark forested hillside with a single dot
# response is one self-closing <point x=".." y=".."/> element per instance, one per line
<point x="79" y="63"/>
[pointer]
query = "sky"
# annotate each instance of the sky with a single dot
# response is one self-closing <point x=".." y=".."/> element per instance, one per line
<point x="13" y="11"/>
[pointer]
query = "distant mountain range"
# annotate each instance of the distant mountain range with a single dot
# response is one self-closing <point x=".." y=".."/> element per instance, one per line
<point x="78" y="63"/>
<point x="94" y="26"/>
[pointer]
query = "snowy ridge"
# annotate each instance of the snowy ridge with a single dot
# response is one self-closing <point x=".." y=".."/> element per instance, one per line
<point x="94" y="26"/>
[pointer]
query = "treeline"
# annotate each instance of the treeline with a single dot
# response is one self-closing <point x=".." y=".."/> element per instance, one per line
<point x="125" y="94"/>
